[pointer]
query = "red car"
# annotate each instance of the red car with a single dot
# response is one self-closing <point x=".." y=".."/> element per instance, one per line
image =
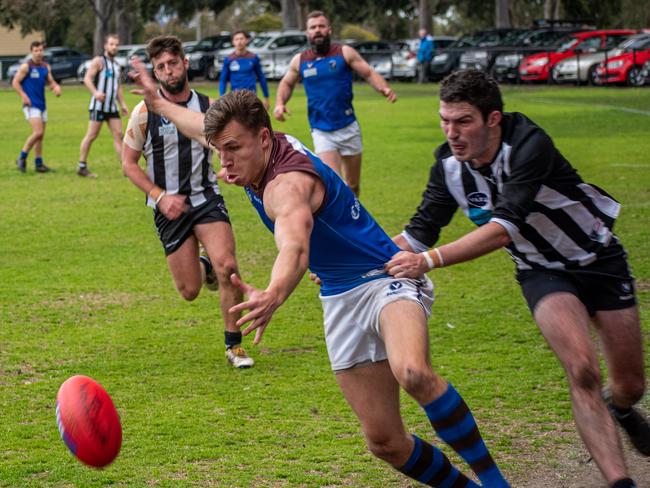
<point x="537" y="67"/>
<point x="627" y="67"/>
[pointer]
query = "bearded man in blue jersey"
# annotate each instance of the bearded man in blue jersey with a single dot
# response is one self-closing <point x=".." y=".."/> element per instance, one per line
<point x="326" y="70"/>
<point x="375" y="325"/>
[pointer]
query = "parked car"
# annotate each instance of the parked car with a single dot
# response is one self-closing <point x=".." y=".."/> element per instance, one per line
<point x="275" y="49"/>
<point x="538" y="67"/>
<point x="189" y="46"/>
<point x="140" y="52"/>
<point x="506" y="64"/>
<point x="405" y="62"/>
<point x="582" y="68"/>
<point x="645" y="72"/>
<point x="483" y="57"/>
<point x="446" y="60"/>
<point x="201" y="59"/>
<point x="627" y="67"/>
<point x="378" y="54"/>
<point x="63" y="61"/>
<point x="121" y="58"/>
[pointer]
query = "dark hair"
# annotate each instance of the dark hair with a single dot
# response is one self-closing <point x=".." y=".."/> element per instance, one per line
<point x="240" y="105"/>
<point x="36" y="44"/>
<point x="161" y="44"/>
<point x="112" y="35"/>
<point x="475" y="87"/>
<point x="317" y="13"/>
<point x="246" y="34"/>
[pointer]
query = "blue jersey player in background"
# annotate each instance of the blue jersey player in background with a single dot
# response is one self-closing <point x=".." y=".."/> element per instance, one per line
<point x="326" y="70"/>
<point x="243" y="69"/>
<point x="29" y="82"/>
<point x="375" y="325"/>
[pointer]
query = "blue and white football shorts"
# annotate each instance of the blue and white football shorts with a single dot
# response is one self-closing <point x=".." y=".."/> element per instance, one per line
<point x="352" y="332"/>
<point x="34" y="113"/>
<point x="347" y="141"/>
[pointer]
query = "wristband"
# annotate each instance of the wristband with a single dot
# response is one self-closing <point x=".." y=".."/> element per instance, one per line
<point x="441" y="262"/>
<point x="428" y="259"/>
<point x="155" y="193"/>
<point x="160" y="197"/>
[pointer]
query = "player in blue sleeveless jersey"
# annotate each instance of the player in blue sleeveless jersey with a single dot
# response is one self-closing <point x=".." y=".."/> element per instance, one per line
<point x="326" y="70"/>
<point x="242" y="69"/>
<point x="29" y="82"/>
<point x="375" y="326"/>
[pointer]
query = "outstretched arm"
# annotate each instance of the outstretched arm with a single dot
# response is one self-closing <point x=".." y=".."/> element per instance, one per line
<point x="289" y="200"/>
<point x="365" y="71"/>
<point x="479" y="242"/>
<point x="188" y="122"/>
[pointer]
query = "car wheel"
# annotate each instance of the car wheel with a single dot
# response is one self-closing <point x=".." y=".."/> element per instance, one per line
<point x="592" y="76"/>
<point x="211" y="73"/>
<point x="634" y="77"/>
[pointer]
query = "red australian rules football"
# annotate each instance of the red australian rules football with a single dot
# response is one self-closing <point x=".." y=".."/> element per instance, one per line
<point x="88" y="421"/>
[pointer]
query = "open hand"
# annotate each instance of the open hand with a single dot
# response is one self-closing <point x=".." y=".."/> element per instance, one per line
<point x="261" y="305"/>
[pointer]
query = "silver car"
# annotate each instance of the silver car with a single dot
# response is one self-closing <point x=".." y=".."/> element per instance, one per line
<point x="582" y="68"/>
<point x="275" y="49"/>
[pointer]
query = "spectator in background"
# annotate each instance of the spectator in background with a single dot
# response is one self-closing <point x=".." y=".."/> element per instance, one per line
<point x="243" y="69"/>
<point x="425" y="55"/>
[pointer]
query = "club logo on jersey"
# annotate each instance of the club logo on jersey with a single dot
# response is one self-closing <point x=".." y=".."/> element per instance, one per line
<point x="34" y="73"/>
<point x="166" y="128"/>
<point x="234" y="66"/>
<point x="355" y="210"/>
<point x="109" y="74"/>
<point x="394" y="288"/>
<point x="333" y="65"/>
<point x="478" y="199"/>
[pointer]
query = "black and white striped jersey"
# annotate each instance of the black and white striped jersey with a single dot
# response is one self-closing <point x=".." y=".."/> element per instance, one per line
<point x="176" y="163"/>
<point x="107" y="81"/>
<point x="555" y="220"/>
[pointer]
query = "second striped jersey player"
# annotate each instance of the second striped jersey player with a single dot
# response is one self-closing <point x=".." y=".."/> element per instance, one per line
<point x="103" y="81"/>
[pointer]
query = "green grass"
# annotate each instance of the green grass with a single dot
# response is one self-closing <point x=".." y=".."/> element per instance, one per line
<point x="84" y="289"/>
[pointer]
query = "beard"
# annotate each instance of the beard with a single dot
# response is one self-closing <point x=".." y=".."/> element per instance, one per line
<point x="321" y="45"/>
<point x="175" y="88"/>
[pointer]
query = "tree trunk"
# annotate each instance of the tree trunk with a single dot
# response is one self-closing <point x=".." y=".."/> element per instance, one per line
<point x="290" y="9"/>
<point x="124" y="23"/>
<point x="103" y="10"/>
<point x="424" y="15"/>
<point x="552" y="9"/>
<point x="502" y="13"/>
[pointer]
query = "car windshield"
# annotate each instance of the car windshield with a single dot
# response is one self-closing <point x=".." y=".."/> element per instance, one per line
<point x="467" y="41"/>
<point x="515" y="38"/>
<point x="568" y="44"/>
<point x="259" y="41"/>
<point x="549" y="38"/>
<point x="635" y="43"/>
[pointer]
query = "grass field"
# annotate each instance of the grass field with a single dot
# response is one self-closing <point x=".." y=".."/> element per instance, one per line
<point x="84" y="289"/>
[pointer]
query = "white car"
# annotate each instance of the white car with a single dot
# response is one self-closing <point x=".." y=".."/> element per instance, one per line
<point x="275" y="49"/>
<point x="121" y="58"/>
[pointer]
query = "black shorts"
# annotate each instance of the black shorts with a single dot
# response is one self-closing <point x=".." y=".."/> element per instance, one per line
<point x="173" y="233"/>
<point x="606" y="284"/>
<point x="99" y="116"/>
